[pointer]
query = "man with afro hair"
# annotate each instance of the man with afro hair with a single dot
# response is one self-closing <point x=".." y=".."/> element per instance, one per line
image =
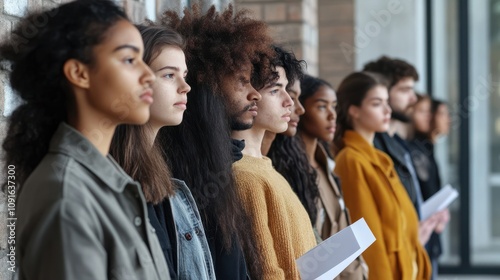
<point x="228" y="56"/>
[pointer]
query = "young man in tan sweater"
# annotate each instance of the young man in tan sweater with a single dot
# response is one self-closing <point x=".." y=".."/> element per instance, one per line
<point x="282" y="229"/>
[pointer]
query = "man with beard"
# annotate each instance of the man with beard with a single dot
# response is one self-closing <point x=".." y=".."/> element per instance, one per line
<point x="281" y="225"/>
<point x="227" y="56"/>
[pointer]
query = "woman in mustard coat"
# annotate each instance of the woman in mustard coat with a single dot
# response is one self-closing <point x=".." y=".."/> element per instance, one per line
<point x="372" y="187"/>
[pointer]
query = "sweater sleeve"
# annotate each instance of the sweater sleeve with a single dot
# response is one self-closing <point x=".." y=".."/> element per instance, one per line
<point x="358" y="195"/>
<point x="254" y="196"/>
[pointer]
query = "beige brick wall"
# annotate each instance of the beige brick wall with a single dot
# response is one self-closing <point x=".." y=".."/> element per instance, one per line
<point x="314" y="29"/>
<point x="293" y="23"/>
<point x="336" y="26"/>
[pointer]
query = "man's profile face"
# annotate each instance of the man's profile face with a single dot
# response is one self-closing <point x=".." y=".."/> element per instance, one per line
<point x="240" y="98"/>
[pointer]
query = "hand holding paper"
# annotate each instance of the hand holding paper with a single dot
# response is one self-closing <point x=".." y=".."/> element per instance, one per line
<point x="439" y="201"/>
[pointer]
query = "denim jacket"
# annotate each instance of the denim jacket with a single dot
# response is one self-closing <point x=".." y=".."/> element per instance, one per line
<point x="192" y="254"/>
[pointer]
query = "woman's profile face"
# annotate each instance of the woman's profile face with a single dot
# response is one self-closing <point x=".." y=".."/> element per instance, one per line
<point x="422" y="116"/>
<point x="297" y="109"/>
<point x="374" y="113"/>
<point x="119" y="80"/>
<point x="170" y="88"/>
<point x="319" y="119"/>
<point x="274" y="109"/>
<point x="442" y="120"/>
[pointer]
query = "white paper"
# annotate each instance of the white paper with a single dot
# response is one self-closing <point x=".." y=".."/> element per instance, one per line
<point x="439" y="201"/>
<point x="332" y="256"/>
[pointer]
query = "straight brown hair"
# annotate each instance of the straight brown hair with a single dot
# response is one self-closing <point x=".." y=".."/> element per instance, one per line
<point x="131" y="144"/>
<point x="132" y="150"/>
<point x="352" y="90"/>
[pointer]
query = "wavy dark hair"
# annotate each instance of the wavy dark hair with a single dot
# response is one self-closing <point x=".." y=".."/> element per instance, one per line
<point x="199" y="149"/>
<point x="392" y="69"/>
<point x="131" y="145"/>
<point x="290" y="160"/>
<point x="352" y="90"/>
<point x="38" y="48"/>
<point x="293" y="67"/>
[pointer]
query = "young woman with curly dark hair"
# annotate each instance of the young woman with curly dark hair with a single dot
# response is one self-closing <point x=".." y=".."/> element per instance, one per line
<point x="79" y="74"/>
<point x="228" y="55"/>
<point x="318" y="126"/>
<point x="171" y="207"/>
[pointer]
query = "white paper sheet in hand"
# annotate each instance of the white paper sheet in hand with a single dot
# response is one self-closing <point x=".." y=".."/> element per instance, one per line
<point x="332" y="256"/>
<point x="439" y="201"/>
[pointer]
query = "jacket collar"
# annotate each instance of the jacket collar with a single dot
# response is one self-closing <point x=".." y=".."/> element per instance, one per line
<point x="356" y="142"/>
<point x="391" y="146"/>
<point x="68" y="141"/>
<point x="322" y="157"/>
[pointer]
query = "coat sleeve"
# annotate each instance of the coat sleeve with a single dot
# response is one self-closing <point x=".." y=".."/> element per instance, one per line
<point x="66" y="245"/>
<point x="253" y="194"/>
<point x="358" y="195"/>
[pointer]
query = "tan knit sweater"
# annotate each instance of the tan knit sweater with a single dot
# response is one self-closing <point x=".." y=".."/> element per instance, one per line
<point x="283" y="231"/>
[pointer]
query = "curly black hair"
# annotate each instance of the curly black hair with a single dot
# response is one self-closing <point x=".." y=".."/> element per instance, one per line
<point x="220" y="43"/>
<point x="37" y="49"/>
<point x="392" y="69"/>
<point x="290" y="160"/>
<point x="294" y="68"/>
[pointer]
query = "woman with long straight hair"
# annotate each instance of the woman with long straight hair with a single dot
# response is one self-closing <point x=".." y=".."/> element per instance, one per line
<point x="171" y="207"/>
<point x="372" y="189"/>
<point x="80" y="75"/>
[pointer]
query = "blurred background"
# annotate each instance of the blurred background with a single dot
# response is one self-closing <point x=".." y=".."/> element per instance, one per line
<point x="455" y="46"/>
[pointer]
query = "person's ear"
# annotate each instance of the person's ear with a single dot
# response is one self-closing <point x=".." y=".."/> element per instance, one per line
<point x="353" y="112"/>
<point x="77" y="73"/>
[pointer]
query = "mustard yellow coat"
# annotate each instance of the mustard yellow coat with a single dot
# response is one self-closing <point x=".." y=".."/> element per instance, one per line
<point x="372" y="190"/>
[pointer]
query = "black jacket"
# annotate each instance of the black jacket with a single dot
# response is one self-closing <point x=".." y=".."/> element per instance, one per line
<point x="422" y="151"/>
<point x="396" y="151"/>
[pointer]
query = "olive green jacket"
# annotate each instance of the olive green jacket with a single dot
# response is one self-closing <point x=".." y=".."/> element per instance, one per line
<point x="80" y="216"/>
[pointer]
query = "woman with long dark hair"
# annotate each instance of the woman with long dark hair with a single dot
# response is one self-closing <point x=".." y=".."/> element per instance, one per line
<point x="228" y="55"/>
<point x="318" y="125"/>
<point x="372" y="189"/>
<point x="171" y="207"/>
<point x="80" y="75"/>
